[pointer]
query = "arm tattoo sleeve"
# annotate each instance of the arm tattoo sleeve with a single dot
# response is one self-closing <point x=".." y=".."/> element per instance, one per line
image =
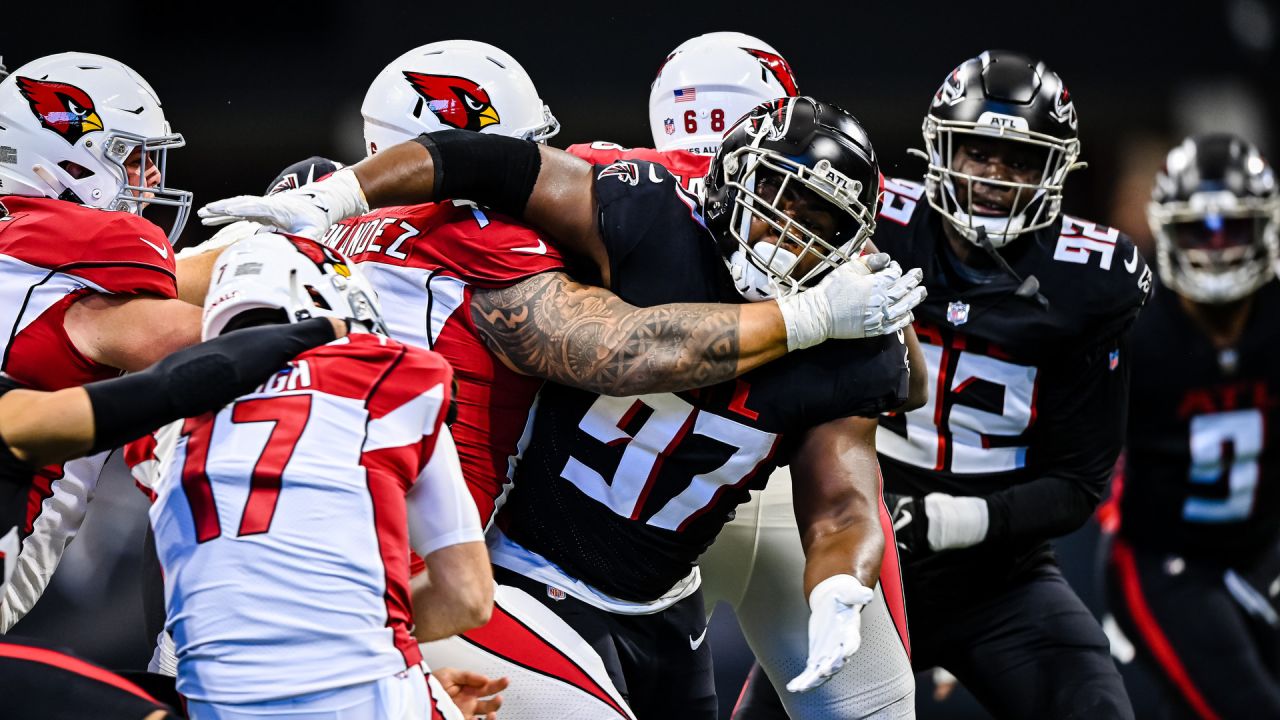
<point x="552" y="327"/>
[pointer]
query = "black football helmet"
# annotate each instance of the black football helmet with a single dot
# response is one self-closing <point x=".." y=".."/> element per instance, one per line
<point x="1214" y="212"/>
<point x="779" y="148"/>
<point x="1008" y="96"/>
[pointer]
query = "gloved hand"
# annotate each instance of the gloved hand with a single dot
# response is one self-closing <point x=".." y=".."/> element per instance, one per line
<point x="308" y="211"/>
<point x="835" y="629"/>
<point x="865" y="297"/>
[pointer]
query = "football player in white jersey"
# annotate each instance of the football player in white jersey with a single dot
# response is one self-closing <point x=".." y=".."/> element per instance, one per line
<point x="87" y="293"/>
<point x="283" y="521"/>
<point x="759" y="552"/>
<point x="38" y="428"/>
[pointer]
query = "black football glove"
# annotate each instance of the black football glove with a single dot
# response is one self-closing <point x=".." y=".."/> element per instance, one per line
<point x="910" y="523"/>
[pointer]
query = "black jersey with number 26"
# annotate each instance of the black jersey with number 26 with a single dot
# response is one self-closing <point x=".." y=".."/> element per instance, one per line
<point x="1022" y="389"/>
<point x="1201" y="471"/>
<point x="624" y="493"/>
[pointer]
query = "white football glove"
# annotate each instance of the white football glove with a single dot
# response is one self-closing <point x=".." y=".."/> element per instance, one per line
<point x="835" y="629"/>
<point x="865" y="297"/>
<point x="308" y="210"/>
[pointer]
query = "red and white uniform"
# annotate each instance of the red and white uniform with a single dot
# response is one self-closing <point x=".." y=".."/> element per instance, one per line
<point x="52" y="253"/>
<point x="283" y="528"/>
<point x="425" y="261"/>
<point x="689" y="168"/>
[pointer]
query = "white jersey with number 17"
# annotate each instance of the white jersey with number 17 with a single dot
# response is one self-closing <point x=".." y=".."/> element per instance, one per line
<point x="280" y="523"/>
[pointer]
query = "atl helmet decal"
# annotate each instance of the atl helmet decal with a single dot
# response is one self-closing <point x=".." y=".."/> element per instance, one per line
<point x="62" y="108"/>
<point x="456" y="101"/>
<point x="778" y="66"/>
<point x="952" y="90"/>
<point x="1064" y="111"/>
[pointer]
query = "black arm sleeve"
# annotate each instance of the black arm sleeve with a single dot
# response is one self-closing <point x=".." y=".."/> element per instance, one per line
<point x="1081" y="443"/>
<point x="492" y="170"/>
<point x="196" y="380"/>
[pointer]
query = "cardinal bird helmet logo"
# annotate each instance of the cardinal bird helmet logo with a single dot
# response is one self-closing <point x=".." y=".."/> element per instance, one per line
<point x="776" y="65"/>
<point x="456" y="101"/>
<point x="62" y="108"/>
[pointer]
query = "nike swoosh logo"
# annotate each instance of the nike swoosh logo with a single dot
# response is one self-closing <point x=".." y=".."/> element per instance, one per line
<point x="1132" y="263"/>
<point x="162" y="249"/>
<point x="695" y="644"/>
<point x="653" y="174"/>
<point x="539" y="249"/>
<point x="315" y="200"/>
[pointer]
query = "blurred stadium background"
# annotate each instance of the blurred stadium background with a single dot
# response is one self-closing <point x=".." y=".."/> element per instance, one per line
<point x="256" y="86"/>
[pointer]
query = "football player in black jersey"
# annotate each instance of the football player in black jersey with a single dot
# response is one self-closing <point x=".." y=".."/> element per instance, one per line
<point x="1193" y="572"/>
<point x="615" y="498"/>
<point x="1024" y="333"/>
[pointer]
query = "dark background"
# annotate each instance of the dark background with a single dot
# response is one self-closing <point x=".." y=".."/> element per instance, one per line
<point x="255" y="86"/>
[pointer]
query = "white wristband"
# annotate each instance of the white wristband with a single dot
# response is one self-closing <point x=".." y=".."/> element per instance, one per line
<point x="847" y="589"/>
<point x="955" y="522"/>
<point x="343" y="190"/>
<point x="807" y="317"/>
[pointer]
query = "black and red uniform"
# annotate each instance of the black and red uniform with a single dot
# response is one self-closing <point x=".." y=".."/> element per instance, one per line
<point x="1027" y="398"/>
<point x="1199" y="496"/>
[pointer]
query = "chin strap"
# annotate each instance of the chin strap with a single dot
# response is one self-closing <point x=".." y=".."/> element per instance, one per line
<point x="1028" y="287"/>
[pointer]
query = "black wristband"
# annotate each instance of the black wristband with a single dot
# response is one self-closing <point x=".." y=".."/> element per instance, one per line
<point x="910" y="524"/>
<point x="492" y="170"/>
<point x="197" y="380"/>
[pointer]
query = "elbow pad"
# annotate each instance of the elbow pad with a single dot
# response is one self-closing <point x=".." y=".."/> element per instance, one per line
<point x="492" y="170"/>
<point x="197" y="380"/>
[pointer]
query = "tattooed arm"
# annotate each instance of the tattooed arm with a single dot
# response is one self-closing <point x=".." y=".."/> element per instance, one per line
<point x="551" y="327"/>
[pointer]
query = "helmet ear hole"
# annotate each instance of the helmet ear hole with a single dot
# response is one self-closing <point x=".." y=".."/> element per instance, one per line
<point x="317" y="298"/>
<point x="75" y="170"/>
<point x="256" y="317"/>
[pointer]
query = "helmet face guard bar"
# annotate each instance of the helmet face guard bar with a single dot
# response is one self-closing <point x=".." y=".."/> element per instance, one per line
<point x="154" y="152"/>
<point x="549" y="128"/>
<point x="745" y="168"/>
<point x="1034" y="206"/>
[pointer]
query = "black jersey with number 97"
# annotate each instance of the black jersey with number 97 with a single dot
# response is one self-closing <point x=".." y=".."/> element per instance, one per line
<point x="625" y="493"/>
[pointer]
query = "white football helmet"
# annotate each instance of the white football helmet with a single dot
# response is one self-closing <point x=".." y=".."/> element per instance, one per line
<point x="460" y="84"/>
<point x="68" y="125"/>
<point x="710" y="81"/>
<point x="287" y="279"/>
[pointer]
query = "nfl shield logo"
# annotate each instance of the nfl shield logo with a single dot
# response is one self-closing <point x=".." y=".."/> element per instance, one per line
<point x="670" y="126"/>
<point x="958" y="313"/>
<point x="1114" y="360"/>
<point x="555" y="593"/>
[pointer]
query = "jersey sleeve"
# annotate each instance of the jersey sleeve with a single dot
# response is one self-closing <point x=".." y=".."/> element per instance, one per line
<point x="1084" y="404"/>
<point x="598" y="153"/>
<point x="441" y="511"/>
<point x="408" y="405"/>
<point x="634" y="199"/>
<point x="1128" y="287"/>
<point x="488" y="249"/>
<point x="127" y="255"/>
<point x="880" y="382"/>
